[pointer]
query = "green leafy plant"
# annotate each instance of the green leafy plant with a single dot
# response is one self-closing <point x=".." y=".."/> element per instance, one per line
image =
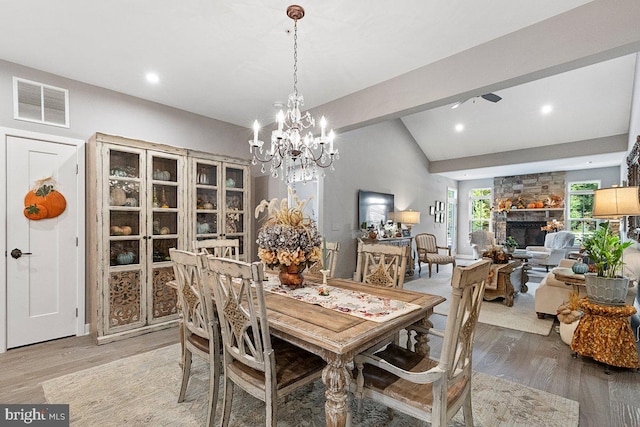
<point x="511" y="242"/>
<point x="605" y="249"/>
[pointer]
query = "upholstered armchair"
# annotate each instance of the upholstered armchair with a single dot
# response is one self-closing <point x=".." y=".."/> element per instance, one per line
<point x="480" y="241"/>
<point x="556" y="246"/>
<point x="429" y="252"/>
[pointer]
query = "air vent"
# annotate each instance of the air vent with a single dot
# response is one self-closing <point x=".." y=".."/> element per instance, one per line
<point x="40" y="103"/>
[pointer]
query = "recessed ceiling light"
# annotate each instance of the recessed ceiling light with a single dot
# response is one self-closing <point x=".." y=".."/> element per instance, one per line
<point x="546" y="109"/>
<point x="152" y="78"/>
<point x="459" y="127"/>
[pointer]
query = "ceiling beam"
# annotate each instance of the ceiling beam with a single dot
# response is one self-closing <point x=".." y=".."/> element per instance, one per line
<point x="592" y="33"/>
<point x="596" y="146"/>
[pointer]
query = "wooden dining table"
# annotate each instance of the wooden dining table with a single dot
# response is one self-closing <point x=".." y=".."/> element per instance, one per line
<point x="338" y="337"/>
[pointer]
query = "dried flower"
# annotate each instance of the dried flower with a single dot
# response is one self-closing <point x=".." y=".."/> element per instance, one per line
<point x="288" y="236"/>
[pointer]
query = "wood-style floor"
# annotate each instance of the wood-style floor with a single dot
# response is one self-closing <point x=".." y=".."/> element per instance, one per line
<point x="540" y="362"/>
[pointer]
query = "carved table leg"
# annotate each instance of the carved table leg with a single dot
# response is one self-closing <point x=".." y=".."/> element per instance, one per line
<point x="422" y="340"/>
<point x="336" y="379"/>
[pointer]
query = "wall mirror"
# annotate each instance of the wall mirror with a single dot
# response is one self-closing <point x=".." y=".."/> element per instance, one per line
<point x="633" y="171"/>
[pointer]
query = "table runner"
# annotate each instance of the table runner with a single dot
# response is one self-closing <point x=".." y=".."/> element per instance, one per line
<point x="359" y="304"/>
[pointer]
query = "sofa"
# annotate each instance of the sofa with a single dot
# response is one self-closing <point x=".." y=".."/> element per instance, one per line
<point x="551" y="293"/>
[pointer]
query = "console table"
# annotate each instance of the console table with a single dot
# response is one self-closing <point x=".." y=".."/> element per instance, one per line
<point x="509" y="281"/>
<point x="394" y="241"/>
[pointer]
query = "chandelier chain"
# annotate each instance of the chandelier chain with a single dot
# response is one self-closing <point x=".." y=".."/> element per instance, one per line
<point x="295" y="56"/>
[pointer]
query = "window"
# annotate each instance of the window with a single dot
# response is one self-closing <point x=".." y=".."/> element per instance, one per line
<point x="580" y="209"/>
<point x="480" y="210"/>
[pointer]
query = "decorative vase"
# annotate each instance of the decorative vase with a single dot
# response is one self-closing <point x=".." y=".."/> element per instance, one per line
<point x="567" y="330"/>
<point x="291" y="275"/>
<point x="511" y="249"/>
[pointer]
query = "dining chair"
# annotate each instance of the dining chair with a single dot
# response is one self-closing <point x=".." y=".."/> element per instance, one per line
<point x="422" y="387"/>
<point x="429" y="252"/>
<point x="382" y="265"/>
<point x="264" y="366"/>
<point x="332" y="249"/>
<point x="199" y="322"/>
<point x="224" y="248"/>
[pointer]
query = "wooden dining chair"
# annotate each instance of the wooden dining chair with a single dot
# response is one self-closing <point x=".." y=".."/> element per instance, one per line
<point x="199" y="322"/>
<point x="429" y="252"/>
<point x="224" y="248"/>
<point x="382" y="265"/>
<point x="332" y="249"/>
<point x="266" y="367"/>
<point x="424" y="388"/>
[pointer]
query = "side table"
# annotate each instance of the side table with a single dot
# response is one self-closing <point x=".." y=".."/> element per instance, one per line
<point x="507" y="282"/>
<point x="604" y="334"/>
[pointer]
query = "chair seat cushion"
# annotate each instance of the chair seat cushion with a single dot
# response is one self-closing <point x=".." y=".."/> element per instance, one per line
<point x="440" y="259"/>
<point x="292" y="364"/>
<point x="402" y="390"/>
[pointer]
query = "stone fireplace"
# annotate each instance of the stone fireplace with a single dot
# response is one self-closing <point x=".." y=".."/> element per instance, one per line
<point x="524" y="224"/>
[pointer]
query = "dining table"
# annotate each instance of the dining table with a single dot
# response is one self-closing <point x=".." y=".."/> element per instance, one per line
<point x="338" y="337"/>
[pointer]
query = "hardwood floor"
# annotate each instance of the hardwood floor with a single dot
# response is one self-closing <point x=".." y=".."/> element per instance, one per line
<point x="540" y="362"/>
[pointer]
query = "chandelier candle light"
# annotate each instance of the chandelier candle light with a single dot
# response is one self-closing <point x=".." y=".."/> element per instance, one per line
<point x="290" y="150"/>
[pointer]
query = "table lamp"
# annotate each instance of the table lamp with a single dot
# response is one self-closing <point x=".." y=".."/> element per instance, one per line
<point x="615" y="203"/>
<point x="407" y="217"/>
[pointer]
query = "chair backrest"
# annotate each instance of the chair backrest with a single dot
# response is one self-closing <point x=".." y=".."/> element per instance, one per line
<point x="563" y="239"/>
<point x="426" y="242"/>
<point x="482" y="238"/>
<point x="193" y="294"/>
<point x="467" y="290"/>
<point x="242" y="313"/>
<point x="332" y="249"/>
<point x="223" y="248"/>
<point x="383" y="265"/>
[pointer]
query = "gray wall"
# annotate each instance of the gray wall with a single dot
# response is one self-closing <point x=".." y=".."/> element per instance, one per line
<point x="384" y="158"/>
<point x="93" y="109"/>
<point x="607" y="176"/>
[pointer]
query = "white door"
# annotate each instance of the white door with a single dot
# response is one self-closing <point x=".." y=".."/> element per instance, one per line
<point x="42" y="283"/>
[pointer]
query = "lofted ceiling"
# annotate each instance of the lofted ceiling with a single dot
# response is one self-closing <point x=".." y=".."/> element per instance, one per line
<point x="232" y="60"/>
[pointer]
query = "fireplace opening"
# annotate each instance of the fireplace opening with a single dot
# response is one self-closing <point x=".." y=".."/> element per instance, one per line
<point x="527" y="233"/>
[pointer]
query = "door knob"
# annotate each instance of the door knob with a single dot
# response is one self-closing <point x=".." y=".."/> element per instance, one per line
<point x="17" y="253"/>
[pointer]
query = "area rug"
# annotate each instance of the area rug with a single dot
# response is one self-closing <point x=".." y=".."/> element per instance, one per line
<point x="521" y="316"/>
<point x="142" y="390"/>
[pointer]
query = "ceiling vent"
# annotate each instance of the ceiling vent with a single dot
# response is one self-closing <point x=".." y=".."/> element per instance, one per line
<point x="40" y="103"/>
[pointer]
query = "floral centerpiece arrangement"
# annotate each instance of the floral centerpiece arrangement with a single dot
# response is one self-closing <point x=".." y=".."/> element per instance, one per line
<point x="288" y="239"/>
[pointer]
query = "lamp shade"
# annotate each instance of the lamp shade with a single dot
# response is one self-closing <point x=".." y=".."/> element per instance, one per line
<point x="407" y="217"/>
<point x="615" y="202"/>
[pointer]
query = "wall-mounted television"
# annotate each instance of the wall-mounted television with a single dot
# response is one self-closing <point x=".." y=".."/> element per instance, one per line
<point x="374" y="207"/>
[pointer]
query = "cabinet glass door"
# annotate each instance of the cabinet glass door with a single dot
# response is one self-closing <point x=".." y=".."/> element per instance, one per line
<point x="206" y="203"/>
<point x="234" y="204"/>
<point x="126" y="257"/>
<point x="163" y="231"/>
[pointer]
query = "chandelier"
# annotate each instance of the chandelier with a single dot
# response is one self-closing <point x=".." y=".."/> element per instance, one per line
<point x="298" y="157"/>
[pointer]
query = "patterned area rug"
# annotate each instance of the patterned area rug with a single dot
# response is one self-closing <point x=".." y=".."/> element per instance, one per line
<point x="521" y="316"/>
<point x="142" y="390"/>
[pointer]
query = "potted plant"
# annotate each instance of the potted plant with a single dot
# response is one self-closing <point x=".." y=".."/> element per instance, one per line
<point x="604" y="249"/>
<point x="510" y="244"/>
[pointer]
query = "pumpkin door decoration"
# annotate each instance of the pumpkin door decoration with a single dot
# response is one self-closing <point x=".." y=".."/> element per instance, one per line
<point x="44" y="200"/>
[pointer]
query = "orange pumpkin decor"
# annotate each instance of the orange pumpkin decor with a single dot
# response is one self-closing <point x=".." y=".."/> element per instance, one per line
<point x="531" y="206"/>
<point x="44" y="198"/>
<point x="35" y="212"/>
<point x="539" y="204"/>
